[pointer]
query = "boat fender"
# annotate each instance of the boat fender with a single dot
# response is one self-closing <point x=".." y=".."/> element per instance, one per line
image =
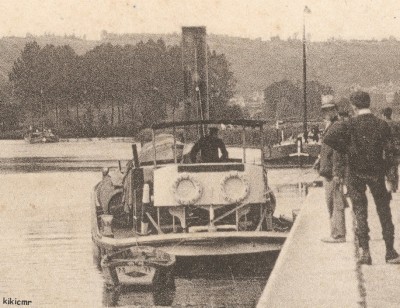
<point x="195" y="194"/>
<point x="237" y="197"/>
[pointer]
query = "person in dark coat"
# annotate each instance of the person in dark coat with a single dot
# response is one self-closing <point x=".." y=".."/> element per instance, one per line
<point x="332" y="168"/>
<point x="394" y="127"/>
<point x="395" y="130"/>
<point x="315" y="133"/>
<point x="208" y="147"/>
<point x="367" y="141"/>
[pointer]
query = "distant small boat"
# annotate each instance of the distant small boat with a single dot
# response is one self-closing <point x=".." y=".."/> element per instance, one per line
<point x="293" y="152"/>
<point x="138" y="266"/>
<point x="45" y="136"/>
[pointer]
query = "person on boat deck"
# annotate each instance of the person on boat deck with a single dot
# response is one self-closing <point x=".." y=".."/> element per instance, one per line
<point x="332" y="168"/>
<point x="315" y="133"/>
<point x="208" y="147"/>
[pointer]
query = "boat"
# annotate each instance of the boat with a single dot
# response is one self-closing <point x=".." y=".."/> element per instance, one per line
<point x="301" y="151"/>
<point x="164" y="147"/>
<point x="186" y="209"/>
<point x="293" y="152"/>
<point x="138" y="266"/>
<point x="44" y="136"/>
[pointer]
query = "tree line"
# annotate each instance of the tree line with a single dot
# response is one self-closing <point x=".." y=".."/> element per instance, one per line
<point x="111" y="89"/>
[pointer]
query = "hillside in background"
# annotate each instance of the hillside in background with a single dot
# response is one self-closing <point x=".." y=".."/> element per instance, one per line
<point x="256" y="64"/>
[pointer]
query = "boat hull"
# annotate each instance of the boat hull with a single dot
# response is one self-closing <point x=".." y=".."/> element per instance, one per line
<point x="41" y="138"/>
<point x="200" y="244"/>
<point x="187" y="244"/>
<point x="285" y="155"/>
<point x="129" y="274"/>
<point x="138" y="266"/>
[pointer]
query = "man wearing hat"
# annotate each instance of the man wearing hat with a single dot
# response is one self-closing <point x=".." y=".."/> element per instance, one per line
<point x="208" y="147"/>
<point x="332" y="169"/>
<point x="367" y="141"/>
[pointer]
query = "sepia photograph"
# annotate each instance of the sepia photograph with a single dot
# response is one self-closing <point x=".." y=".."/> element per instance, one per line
<point x="199" y="153"/>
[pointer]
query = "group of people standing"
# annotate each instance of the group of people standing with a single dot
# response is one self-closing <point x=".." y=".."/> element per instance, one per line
<point x="358" y="152"/>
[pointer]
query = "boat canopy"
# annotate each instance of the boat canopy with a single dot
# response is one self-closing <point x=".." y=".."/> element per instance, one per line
<point x="256" y="124"/>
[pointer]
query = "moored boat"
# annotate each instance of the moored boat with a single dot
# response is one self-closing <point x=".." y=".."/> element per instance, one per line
<point x="293" y="153"/>
<point x="185" y="208"/>
<point x="45" y="136"/>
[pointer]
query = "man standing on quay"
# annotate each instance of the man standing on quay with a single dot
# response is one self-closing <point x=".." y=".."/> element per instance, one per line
<point x="332" y="169"/>
<point x="394" y="129"/>
<point x="367" y="141"/>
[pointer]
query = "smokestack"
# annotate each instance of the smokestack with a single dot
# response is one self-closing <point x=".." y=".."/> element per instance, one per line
<point x="195" y="73"/>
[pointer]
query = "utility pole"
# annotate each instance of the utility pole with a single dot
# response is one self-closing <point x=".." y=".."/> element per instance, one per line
<point x="41" y="108"/>
<point x="305" y="128"/>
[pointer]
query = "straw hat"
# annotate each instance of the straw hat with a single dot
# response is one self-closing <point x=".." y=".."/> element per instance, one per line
<point x="327" y="101"/>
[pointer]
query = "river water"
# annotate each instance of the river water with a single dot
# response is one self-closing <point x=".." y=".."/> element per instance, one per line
<point x="46" y="244"/>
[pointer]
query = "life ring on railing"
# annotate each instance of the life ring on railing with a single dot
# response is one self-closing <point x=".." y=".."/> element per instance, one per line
<point x="186" y="189"/>
<point x="234" y="188"/>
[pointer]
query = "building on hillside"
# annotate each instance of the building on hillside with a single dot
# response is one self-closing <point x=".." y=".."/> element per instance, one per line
<point x="237" y="100"/>
<point x="254" y="103"/>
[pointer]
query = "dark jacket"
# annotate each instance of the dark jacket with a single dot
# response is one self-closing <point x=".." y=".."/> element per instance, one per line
<point x="209" y="146"/>
<point x="367" y="141"/>
<point x="395" y="130"/>
<point x="332" y="163"/>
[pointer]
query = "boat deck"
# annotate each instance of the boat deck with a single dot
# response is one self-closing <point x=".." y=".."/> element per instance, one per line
<point x="202" y="243"/>
<point x="124" y="233"/>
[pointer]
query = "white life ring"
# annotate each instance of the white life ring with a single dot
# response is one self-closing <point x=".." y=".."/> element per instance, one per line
<point x="234" y="193"/>
<point x="186" y="189"/>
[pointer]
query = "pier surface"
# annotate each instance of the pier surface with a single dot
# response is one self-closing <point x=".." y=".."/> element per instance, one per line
<point x="311" y="273"/>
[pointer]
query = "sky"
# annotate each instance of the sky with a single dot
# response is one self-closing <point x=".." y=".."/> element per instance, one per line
<point x="346" y="19"/>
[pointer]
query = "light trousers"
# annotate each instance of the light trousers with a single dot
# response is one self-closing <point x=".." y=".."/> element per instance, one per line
<point x="336" y="206"/>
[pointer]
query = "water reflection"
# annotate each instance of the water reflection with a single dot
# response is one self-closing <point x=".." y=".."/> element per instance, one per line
<point x="217" y="281"/>
<point x="122" y="296"/>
